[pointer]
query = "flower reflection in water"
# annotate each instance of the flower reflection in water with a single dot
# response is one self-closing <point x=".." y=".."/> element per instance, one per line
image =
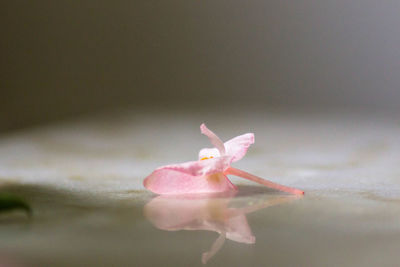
<point x="222" y="213"/>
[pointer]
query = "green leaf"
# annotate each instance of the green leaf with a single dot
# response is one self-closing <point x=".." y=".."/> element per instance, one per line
<point x="10" y="202"/>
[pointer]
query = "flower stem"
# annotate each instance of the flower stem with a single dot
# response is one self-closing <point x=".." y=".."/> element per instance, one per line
<point x="251" y="177"/>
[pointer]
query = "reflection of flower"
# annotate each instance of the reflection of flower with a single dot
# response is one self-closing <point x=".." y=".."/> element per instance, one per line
<point x="208" y="174"/>
<point x="173" y="213"/>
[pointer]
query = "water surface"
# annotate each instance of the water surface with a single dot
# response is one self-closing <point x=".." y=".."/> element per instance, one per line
<point x="256" y="227"/>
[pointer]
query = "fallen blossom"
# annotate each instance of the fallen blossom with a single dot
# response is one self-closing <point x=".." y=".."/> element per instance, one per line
<point x="209" y="173"/>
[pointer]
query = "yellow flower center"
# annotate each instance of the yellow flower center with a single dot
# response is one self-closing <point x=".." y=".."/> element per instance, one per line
<point x="207" y="158"/>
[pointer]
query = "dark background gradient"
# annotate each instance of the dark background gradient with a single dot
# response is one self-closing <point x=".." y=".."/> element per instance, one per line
<point x="64" y="58"/>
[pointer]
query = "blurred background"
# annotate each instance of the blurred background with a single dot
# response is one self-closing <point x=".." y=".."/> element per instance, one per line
<point x="60" y="59"/>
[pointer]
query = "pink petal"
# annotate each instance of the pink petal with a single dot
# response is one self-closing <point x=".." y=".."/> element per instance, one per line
<point x="214" y="139"/>
<point x="237" y="147"/>
<point x="191" y="177"/>
<point x="200" y="167"/>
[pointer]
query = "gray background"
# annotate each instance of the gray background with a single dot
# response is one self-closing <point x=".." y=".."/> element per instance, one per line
<point x="64" y="58"/>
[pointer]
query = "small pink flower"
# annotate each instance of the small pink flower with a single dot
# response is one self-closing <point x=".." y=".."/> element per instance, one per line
<point x="208" y="174"/>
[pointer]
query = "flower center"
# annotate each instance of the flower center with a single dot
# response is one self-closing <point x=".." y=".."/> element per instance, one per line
<point x="207" y="158"/>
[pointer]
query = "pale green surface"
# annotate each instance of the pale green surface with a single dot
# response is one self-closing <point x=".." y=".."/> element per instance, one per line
<point x="83" y="180"/>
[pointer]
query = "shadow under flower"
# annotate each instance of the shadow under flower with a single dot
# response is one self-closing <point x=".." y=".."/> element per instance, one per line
<point x="224" y="213"/>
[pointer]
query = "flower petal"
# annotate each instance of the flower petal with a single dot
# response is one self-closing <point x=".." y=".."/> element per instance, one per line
<point x="200" y="167"/>
<point x="214" y="139"/>
<point x="237" y="147"/>
<point x="191" y="177"/>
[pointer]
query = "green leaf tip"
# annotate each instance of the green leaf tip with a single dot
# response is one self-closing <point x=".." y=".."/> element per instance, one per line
<point x="10" y="202"/>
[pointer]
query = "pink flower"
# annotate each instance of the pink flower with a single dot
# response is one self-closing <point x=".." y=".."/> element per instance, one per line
<point x="208" y="174"/>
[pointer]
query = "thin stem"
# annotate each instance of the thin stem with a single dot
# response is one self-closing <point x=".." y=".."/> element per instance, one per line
<point x="251" y="177"/>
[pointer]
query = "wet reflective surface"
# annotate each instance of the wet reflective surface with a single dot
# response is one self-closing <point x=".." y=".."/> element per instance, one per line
<point x="224" y="214"/>
<point x="83" y="180"/>
<point x="255" y="227"/>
